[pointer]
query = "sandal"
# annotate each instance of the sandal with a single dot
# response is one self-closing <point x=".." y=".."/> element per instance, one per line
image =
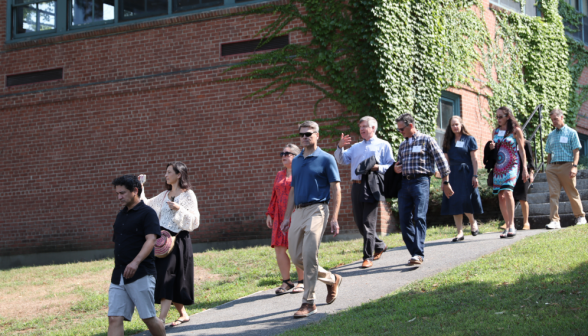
<point x="299" y="287"/>
<point x="511" y="233"/>
<point x="281" y="290"/>
<point x="504" y="234"/>
<point x="178" y="322"/>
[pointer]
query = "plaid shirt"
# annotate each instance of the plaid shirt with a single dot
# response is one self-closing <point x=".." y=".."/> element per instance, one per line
<point x="560" y="151"/>
<point x="415" y="161"/>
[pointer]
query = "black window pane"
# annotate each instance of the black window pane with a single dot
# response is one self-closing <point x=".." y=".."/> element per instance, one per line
<point x="186" y="5"/>
<point x="82" y="13"/>
<point x="35" y="17"/>
<point x="239" y="1"/>
<point x="585" y="27"/>
<point x="137" y="9"/>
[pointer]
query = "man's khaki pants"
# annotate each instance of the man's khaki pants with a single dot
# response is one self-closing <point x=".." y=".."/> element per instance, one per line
<point x="304" y="238"/>
<point x="558" y="175"/>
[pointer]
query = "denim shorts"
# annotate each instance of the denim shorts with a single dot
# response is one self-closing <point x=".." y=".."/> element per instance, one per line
<point x="122" y="300"/>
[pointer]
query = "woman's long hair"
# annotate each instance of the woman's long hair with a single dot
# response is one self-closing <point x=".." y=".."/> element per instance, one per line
<point x="449" y="135"/>
<point x="179" y="168"/>
<point x="512" y="123"/>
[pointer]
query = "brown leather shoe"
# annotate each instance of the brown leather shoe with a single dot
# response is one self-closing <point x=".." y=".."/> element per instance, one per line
<point x="367" y="264"/>
<point x="378" y="255"/>
<point x="305" y="310"/>
<point x="333" y="290"/>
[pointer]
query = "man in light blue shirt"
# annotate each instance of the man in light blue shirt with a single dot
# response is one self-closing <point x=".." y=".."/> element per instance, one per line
<point x="563" y="153"/>
<point x="365" y="205"/>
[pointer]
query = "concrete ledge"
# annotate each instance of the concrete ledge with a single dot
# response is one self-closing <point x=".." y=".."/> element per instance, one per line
<point x="51" y="258"/>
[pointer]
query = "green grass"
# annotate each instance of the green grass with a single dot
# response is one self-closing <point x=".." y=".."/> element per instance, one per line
<point x="238" y="272"/>
<point x="537" y="286"/>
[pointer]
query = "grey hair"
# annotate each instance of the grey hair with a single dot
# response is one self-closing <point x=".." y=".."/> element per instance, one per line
<point x="406" y="118"/>
<point x="556" y="112"/>
<point x="309" y="124"/>
<point x="372" y="122"/>
<point x="293" y="148"/>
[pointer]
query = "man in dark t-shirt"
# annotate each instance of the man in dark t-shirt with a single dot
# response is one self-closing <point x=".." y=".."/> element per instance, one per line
<point x="133" y="279"/>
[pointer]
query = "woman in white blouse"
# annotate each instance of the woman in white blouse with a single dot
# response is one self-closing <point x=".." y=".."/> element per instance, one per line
<point x="177" y="209"/>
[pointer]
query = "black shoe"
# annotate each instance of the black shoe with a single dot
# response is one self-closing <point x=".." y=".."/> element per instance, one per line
<point x="475" y="233"/>
<point x="458" y="238"/>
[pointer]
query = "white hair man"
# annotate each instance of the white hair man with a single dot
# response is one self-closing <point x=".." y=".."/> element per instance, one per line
<point x="363" y="200"/>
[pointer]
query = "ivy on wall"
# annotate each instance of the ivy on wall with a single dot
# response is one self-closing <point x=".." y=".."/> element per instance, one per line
<point x="387" y="57"/>
<point x="375" y="57"/>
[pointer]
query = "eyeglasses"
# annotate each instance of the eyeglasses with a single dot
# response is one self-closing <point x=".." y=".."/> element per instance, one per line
<point x="282" y="154"/>
<point x="401" y="129"/>
<point x="307" y="134"/>
<point x="500" y="117"/>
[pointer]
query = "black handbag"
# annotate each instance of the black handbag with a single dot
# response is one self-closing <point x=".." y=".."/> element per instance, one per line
<point x="491" y="178"/>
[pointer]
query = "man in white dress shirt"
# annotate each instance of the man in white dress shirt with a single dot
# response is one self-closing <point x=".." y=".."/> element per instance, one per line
<point x="365" y="206"/>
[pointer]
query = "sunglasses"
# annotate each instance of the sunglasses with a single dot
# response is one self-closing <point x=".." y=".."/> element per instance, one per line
<point x="500" y="117"/>
<point x="401" y="129"/>
<point x="307" y="134"/>
<point x="282" y="154"/>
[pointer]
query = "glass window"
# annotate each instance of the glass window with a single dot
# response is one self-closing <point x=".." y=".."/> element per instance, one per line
<point x="137" y="9"/>
<point x="509" y="4"/>
<point x="34" y="16"/>
<point x="91" y="11"/>
<point x="186" y="5"/>
<point x="449" y="105"/>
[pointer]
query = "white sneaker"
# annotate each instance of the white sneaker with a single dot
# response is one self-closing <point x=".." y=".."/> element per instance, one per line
<point x="553" y="225"/>
<point x="580" y="220"/>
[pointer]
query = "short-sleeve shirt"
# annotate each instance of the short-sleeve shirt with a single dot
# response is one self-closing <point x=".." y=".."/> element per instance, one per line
<point x="561" y="144"/>
<point x="130" y="229"/>
<point x="312" y="177"/>
<point x="459" y="151"/>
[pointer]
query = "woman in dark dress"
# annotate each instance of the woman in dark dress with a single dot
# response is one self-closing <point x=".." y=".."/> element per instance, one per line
<point x="177" y="209"/>
<point x="461" y="149"/>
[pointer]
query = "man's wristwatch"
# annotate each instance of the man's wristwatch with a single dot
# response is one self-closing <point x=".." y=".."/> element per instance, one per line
<point x="445" y="182"/>
<point x="574" y="165"/>
<point x="476" y="176"/>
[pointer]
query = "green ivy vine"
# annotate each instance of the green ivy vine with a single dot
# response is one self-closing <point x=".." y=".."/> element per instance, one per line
<point x="387" y="57"/>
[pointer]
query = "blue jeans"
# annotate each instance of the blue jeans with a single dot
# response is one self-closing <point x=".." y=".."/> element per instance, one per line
<point x="413" y="202"/>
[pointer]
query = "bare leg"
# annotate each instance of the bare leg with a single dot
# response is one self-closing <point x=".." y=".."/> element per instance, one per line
<point x="525" y="210"/>
<point x="507" y="207"/>
<point x="473" y="223"/>
<point x="283" y="261"/>
<point x="165" y="305"/>
<point x="116" y="326"/>
<point x="155" y="326"/>
<point x="458" y="224"/>
<point x="300" y="272"/>
<point x="182" y="310"/>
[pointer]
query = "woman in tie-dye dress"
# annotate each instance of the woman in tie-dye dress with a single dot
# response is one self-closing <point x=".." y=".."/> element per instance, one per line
<point x="508" y="140"/>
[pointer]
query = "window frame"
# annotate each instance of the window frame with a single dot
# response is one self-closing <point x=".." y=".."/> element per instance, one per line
<point x="453" y="98"/>
<point x="582" y="39"/>
<point x="64" y="25"/>
<point x="584" y="142"/>
<point x="530" y="7"/>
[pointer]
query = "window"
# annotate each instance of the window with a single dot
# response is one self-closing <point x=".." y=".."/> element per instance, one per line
<point x="530" y="9"/>
<point x="30" y="18"/>
<point x="581" y="31"/>
<point x="584" y="143"/>
<point x="449" y="106"/>
<point x="33" y="16"/>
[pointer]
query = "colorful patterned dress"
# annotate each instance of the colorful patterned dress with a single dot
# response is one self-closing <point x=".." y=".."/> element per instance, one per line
<point x="506" y="170"/>
<point x="277" y="207"/>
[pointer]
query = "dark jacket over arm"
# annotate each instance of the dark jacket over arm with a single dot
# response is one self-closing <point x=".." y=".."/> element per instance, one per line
<point x="392" y="183"/>
<point x="374" y="179"/>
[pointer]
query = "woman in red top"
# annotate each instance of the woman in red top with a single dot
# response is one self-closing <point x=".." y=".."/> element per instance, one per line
<point x="275" y="216"/>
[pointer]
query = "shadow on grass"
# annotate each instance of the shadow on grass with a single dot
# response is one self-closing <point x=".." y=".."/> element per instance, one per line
<point x="547" y="304"/>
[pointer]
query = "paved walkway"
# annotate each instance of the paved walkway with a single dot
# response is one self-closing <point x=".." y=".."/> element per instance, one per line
<point x="264" y="313"/>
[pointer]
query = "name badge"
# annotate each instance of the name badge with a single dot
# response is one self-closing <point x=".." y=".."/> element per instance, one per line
<point x="459" y="144"/>
<point x="563" y="139"/>
<point x="501" y="133"/>
<point x="416" y="149"/>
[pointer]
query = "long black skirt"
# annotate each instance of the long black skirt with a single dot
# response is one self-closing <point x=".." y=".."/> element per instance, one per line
<point x="175" y="273"/>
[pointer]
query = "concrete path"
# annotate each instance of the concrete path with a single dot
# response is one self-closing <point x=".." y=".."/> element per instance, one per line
<point x="264" y="313"/>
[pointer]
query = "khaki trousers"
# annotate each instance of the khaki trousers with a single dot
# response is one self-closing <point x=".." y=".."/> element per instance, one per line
<point x="304" y="238"/>
<point x="558" y="175"/>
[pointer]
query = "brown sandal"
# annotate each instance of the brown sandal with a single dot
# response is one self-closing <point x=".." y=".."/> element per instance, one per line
<point x="281" y="290"/>
<point x="299" y="287"/>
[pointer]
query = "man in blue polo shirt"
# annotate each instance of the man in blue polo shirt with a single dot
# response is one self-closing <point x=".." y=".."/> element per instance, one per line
<point x="315" y="177"/>
<point x="563" y="153"/>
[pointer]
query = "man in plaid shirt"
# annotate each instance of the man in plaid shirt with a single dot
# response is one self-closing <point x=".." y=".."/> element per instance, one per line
<point x="563" y="152"/>
<point x="416" y="158"/>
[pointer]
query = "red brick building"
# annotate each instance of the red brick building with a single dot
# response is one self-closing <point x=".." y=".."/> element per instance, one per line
<point x="98" y="88"/>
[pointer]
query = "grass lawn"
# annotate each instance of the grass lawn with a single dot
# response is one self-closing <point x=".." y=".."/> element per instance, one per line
<point x="538" y="286"/>
<point x="72" y="299"/>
